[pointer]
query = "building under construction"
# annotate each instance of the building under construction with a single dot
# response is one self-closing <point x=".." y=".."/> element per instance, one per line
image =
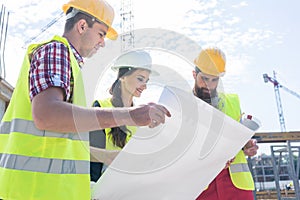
<point x="276" y="176"/>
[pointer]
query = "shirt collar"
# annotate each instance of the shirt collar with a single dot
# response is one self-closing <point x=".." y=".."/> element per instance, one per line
<point x="77" y="56"/>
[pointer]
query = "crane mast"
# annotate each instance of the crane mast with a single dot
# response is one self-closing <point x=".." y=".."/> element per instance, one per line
<point x="278" y="99"/>
<point x="4" y="15"/>
<point x="127" y="25"/>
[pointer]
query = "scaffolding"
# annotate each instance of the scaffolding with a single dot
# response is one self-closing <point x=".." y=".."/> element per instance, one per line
<point x="282" y="166"/>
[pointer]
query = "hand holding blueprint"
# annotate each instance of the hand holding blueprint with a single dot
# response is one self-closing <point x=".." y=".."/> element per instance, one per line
<point x="178" y="159"/>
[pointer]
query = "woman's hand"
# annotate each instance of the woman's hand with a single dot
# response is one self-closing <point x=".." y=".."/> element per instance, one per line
<point x="103" y="155"/>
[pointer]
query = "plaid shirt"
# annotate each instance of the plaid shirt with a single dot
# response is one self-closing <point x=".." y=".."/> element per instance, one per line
<point x="51" y="67"/>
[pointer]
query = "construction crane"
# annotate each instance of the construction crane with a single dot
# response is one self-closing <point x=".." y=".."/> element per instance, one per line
<point x="127" y="25"/>
<point x="4" y="15"/>
<point x="43" y="30"/>
<point x="293" y="173"/>
<point x="277" y="85"/>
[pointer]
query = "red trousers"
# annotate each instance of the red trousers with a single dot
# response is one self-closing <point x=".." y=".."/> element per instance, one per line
<point x="221" y="188"/>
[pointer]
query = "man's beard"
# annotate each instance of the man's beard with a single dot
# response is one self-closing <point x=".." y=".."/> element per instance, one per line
<point x="204" y="94"/>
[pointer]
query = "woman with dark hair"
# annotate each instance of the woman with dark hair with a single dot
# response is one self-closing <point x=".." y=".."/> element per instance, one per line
<point x="134" y="69"/>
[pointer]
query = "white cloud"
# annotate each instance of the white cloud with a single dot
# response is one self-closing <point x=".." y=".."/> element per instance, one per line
<point x="206" y="5"/>
<point x="241" y="4"/>
<point x="233" y="21"/>
<point x="243" y="30"/>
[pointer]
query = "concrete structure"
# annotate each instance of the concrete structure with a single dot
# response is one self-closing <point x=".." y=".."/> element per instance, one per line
<point x="6" y="91"/>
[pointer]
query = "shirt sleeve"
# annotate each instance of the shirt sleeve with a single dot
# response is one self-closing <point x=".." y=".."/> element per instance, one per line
<point x="50" y="67"/>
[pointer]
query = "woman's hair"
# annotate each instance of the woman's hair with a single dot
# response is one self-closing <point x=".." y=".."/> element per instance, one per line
<point x="119" y="134"/>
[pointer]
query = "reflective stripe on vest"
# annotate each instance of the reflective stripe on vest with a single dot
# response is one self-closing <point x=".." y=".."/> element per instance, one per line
<point x="239" y="167"/>
<point x="17" y="125"/>
<point x="45" y="165"/>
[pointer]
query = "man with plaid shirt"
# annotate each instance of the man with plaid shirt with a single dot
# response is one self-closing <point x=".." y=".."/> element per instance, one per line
<point x="44" y="141"/>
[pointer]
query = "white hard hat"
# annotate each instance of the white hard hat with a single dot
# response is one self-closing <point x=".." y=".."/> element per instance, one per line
<point x="135" y="59"/>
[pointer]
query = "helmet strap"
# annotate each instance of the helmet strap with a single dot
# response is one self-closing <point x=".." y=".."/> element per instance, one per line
<point x="72" y="13"/>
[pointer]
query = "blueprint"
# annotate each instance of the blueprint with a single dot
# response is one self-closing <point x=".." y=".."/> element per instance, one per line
<point x="176" y="160"/>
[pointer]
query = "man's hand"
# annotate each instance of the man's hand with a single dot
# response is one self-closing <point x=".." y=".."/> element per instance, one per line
<point x="228" y="163"/>
<point x="150" y="115"/>
<point x="250" y="149"/>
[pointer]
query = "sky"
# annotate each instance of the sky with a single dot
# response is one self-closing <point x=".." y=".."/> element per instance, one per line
<point x="257" y="36"/>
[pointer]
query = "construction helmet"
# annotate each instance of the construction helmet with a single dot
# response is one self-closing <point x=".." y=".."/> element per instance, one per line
<point x="99" y="9"/>
<point x="135" y="59"/>
<point x="211" y="61"/>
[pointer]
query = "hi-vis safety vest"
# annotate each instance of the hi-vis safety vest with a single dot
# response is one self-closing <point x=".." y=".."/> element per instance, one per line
<point x="37" y="164"/>
<point x="109" y="145"/>
<point x="240" y="174"/>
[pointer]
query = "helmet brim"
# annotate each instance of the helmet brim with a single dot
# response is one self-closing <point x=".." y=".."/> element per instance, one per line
<point x="112" y="33"/>
<point x="152" y="72"/>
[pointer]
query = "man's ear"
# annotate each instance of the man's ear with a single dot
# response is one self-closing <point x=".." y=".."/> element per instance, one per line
<point x="121" y="78"/>
<point x="194" y="74"/>
<point x="81" y="26"/>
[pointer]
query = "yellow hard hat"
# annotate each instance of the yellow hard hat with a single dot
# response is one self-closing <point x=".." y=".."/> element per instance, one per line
<point x="99" y="9"/>
<point x="211" y="61"/>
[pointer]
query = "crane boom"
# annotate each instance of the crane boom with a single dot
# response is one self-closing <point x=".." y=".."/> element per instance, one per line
<point x="290" y="91"/>
<point x="276" y="83"/>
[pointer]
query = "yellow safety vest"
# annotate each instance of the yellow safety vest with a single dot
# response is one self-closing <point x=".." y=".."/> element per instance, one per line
<point x="38" y="164"/>
<point x="106" y="103"/>
<point x="240" y="174"/>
